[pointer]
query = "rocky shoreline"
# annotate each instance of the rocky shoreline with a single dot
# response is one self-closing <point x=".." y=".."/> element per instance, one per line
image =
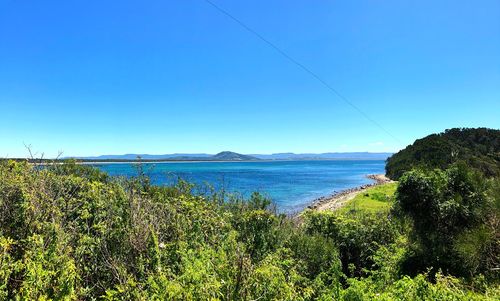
<point x="338" y="199"/>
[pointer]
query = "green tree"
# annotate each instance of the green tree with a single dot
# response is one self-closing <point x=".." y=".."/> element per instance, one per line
<point x="443" y="206"/>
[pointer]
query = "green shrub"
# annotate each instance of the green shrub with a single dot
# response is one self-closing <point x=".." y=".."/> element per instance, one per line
<point x="452" y="216"/>
<point x="357" y="235"/>
<point x="69" y="232"/>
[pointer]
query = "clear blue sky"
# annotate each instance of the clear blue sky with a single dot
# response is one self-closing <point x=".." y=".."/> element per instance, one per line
<point x="114" y="77"/>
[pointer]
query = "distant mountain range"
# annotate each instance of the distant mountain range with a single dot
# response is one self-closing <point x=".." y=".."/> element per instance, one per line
<point x="232" y="156"/>
<point x="325" y="156"/>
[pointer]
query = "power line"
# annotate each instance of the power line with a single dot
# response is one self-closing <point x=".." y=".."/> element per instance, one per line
<point x="302" y="66"/>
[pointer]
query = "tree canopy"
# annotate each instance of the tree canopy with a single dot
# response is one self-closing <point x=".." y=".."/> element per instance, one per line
<point x="477" y="147"/>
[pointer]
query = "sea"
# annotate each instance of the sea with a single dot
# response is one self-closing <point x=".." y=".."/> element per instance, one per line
<point x="291" y="185"/>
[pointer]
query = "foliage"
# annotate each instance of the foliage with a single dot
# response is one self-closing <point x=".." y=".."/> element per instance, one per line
<point x="357" y="235"/>
<point x="479" y="148"/>
<point x="70" y="232"/>
<point x="455" y="221"/>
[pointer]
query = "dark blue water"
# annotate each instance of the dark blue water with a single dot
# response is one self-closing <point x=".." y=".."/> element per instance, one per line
<point x="292" y="185"/>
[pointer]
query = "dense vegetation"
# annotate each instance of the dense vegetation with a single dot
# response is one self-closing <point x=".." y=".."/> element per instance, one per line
<point x="70" y="232"/>
<point x="478" y="148"/>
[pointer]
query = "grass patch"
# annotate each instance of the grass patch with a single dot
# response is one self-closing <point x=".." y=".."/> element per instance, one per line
<point x="374" y="199"/>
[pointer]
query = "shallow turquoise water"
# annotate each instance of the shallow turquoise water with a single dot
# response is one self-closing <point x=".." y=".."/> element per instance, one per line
<point x="292" y="185"/>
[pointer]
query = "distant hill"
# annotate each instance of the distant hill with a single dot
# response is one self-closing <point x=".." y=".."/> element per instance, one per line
<point x="232" y="156"/>
<point x="479" y="148"/>
<point x="222" y="156"/>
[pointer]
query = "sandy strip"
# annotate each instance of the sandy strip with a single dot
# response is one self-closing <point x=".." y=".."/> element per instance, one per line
<point x="339" y="199"/>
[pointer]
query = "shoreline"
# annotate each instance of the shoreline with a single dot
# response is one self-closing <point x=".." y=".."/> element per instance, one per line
<point x="339" y="199"/>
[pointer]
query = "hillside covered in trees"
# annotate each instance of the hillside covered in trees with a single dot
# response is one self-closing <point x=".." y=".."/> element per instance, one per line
<point x="477" y="147"/>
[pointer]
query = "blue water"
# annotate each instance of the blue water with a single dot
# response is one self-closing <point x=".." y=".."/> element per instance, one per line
<point x="292" y="185"/>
